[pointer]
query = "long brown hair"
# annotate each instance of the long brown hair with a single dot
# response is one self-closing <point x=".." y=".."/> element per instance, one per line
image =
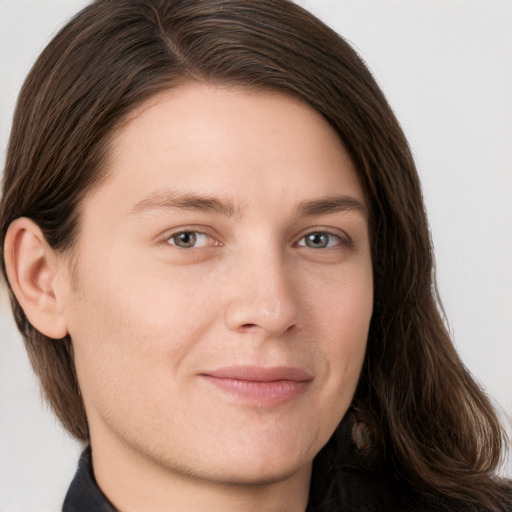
<point x="430" y="422"/>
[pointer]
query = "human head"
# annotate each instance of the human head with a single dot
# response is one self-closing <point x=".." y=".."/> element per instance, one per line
<point x="115" y="55"/>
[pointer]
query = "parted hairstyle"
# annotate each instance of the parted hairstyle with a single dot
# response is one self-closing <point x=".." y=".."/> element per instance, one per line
<point x="427" y="420"/>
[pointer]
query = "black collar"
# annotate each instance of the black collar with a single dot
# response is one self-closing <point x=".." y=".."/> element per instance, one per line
<point x="365" y="491"/>
<point x="84" y="495"/>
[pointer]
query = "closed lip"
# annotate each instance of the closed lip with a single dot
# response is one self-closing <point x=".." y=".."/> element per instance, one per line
<point x="261" y="374"/>
<point x="260" y="386"/>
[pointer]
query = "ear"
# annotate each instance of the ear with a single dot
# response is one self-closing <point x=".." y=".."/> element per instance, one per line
<point x="32" y="269"/>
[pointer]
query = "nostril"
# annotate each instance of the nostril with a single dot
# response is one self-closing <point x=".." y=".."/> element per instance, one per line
<point x="249" y="314"/>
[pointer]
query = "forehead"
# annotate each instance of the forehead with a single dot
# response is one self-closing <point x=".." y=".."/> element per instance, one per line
<point x="222" y="141"/>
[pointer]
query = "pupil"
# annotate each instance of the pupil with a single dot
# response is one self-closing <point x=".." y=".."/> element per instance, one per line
<point x="317" y="240"/>
<point x="186" y="239"/>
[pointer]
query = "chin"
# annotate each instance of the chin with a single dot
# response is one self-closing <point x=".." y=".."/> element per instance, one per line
<point x="243" y="475"/>
<point x="264" y="468"/>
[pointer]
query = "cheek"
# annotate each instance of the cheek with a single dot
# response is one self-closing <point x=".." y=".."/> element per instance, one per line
<point x="345" y="318"/>
<point x="127" y="322"/>
<point x="345" y="310"/>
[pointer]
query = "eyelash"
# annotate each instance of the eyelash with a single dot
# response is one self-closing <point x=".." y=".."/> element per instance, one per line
<point x="195" y="234"/>
<point x="341" y="240"/>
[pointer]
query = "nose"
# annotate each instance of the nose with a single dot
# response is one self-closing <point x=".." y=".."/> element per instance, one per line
<point x="262" y="295"/>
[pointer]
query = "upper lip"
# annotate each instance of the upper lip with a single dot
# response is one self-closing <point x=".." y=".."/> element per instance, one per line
<point x="261" y="374"/>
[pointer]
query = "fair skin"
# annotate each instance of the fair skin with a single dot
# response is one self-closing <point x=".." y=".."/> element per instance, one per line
<point x="219" y="300"/>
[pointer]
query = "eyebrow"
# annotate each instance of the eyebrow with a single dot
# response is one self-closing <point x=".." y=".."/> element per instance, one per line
<point x="330" y="204"/>
<point x="198" y="202"/>
<point x="185" y="201"/>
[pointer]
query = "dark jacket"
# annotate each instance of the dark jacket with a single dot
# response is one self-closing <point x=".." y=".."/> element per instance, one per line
<point x="365" y="491"/>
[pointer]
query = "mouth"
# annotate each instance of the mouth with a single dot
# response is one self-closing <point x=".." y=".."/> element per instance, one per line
<point x="268" y="387"/>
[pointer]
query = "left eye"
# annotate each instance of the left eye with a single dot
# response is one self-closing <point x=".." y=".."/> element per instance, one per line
<point x="189" y="239"/>
<point x="320" y="240"/>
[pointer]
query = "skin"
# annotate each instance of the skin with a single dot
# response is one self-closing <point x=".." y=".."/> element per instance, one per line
<point x="151" y="321"/>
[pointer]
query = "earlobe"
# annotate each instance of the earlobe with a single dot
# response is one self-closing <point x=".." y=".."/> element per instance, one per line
<point x="32" y="268"/>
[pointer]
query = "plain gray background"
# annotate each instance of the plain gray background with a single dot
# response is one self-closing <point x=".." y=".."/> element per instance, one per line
<point x="446" y="68"/>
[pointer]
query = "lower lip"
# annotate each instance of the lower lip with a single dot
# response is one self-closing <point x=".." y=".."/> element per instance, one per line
<point x="263" y="393"/>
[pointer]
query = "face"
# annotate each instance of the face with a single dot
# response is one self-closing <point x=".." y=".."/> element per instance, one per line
<point x="220" y="299"/>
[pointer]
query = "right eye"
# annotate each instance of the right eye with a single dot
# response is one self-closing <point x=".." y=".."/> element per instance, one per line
<point x="189" y="239"/>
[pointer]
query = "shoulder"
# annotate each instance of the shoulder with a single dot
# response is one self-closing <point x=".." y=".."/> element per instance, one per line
<point x="84" y="495"/>
<point x="381" y="491"/>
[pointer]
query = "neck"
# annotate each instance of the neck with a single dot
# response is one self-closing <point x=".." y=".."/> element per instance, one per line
<point x="134" y="482"/>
